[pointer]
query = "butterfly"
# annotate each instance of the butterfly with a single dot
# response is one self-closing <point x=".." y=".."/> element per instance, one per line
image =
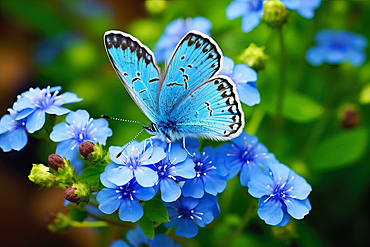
<point x="187" y="100"/>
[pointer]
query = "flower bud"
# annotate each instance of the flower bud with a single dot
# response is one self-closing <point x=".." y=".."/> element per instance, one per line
<point x="55" y="162"/>
<point x="274" y="13"/>
<point x="254" y="56"/>
<point x="94" y="153"/>
<point x="78" y="192"/>
<point x="40" y="175"/>
<point x="155" y="6"/>
<point x="86" y="149"/>
<point x="349" y="117"/>
<point x="60" y="224"/>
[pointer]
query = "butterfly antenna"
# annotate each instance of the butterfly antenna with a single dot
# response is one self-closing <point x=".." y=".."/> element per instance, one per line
<point x="120" y="119"/>
<point x="119" y="154"/>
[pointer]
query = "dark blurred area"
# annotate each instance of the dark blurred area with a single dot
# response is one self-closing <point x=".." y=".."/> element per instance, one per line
<point x="60" y="43"/>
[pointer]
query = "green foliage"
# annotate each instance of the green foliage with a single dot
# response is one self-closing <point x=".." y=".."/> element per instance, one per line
<point x="156" y="211"/>
<point x="92" y="174"/>
<point x="147" y="226"/>
<point x="77" y="213"/>
<point x="341" y="149"/>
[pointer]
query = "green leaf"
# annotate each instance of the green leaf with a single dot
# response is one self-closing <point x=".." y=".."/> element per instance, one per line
<point x="147" y="226"/>
<point x="341" y="149"/>
<point x="92" y="174"/>
<point x="301" y="108"/>
<point x="297" y="107"/>
<point x="156" y="211"/>
<point x="77" y="214"/>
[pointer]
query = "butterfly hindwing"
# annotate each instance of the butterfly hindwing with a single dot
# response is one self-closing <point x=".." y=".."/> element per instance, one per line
<point x="212" y="110"/>
<point x="196" y="59"/>
<point x="135" y="65"/>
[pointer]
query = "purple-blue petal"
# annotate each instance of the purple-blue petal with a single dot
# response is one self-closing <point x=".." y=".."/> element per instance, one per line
<point x="108" y="201"/>
<point x="35" y="121"/>
<point x="186" y="228"/>
<point x="170" y="190"/>
<point x="130" y="210"/>
<point x="193" y="187"/>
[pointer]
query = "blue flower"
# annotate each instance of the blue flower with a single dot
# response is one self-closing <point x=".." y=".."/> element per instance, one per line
<point x="174" y="33"/>
<point x="181" y="166"/>
<point x="305" y="8"/>
<point x="245" y="153"/>
<point x="250" y="10"/>
<point x="282" y="194"/>
<point x="337" y="46"/>
<point x="13" y="133"/>
<point x="124" y="197"/>
<point x="137" y="238"/>
<point x="134" y="162"/>
<point x="245" y="80"/>
<point x="188" y="212"/>
<point x="210" y="175"/>
<point x="34" y="103"/>
<point x="78" y="129"/>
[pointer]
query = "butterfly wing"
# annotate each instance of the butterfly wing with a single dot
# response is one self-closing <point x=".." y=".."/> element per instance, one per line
<point x="212" y="110"/>
<point x="196" y="58"/>
<point x="136" y="67"/>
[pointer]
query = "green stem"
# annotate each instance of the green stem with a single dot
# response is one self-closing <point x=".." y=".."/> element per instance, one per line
<point x="248" y="214"/>
<point x="279" y="120"/>
<point x="112" y="222"/>
<point x="89" y="224"/>
<point x="255" y="121"/>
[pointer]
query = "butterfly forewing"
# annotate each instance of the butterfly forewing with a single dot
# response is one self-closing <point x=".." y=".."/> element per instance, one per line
<point x="135" y="65"/>
<point x="196" y="59"/>
<point x="213" y="110"/>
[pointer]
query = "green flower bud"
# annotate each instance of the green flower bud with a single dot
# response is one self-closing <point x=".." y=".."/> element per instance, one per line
<point x="78" y="192"/>
<point x="94" y="153"/>
<point x="274" y="13"/>
<point x="254" y="56"/>
<point x="55" y="162"/>
<point x="40" y="175"/>
<point x="155" y="6"/>
<point x="60" y="224"/>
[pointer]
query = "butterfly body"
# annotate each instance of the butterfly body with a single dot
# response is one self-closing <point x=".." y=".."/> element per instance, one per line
<point x="186" y="100"/>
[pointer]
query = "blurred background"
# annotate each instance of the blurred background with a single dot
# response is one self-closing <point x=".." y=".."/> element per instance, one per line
<point x="324" y="137"/>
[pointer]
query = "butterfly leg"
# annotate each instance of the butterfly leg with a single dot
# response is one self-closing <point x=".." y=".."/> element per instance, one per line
<point x="151" y="146"/>
<point x="169" y="150"/>
<point x="183" y="142"/>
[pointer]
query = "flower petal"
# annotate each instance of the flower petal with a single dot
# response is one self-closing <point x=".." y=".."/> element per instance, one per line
<point x="18" y="138"/>
<point x="157" y="155"/>
<point x="236" y="9"/>
<point x="184" y="169"/>
<point x="23" y="103"/>
<point x="271" y="211"/>
<point x="108" y="200"/>
<point x="298" y="208"/>
<point x="201" y="24"/>
<point x="144" y="193"/>
<point x="193" y="187"/>
<point x="57" y="110"/>
<point x="25" y="113"/>
<point x="130" y="210"/>
<point x="214" y="183"/>
<point x="69" y="98"/>
<point x="78" y="118"/>
<point x="251" y="20"/>
<point x="104" y="180"/>
<point x="61" y="132"/>
<point x="186" y="228"/>
<point x="64" y="149"/>
<point x="35" y="121"/>
<point x="170" y="190"/>
<point x="145" y="176"/>
<point x="227" y="67"/>
<point x="248" y="94"/>
<point x="120" y="175"/>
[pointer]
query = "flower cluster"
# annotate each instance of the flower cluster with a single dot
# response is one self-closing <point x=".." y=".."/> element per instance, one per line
<point x="142" y="169"/>
<point x="281" y="191"/>
<point x="28" y="115"/>
<point x="337" y="46"/>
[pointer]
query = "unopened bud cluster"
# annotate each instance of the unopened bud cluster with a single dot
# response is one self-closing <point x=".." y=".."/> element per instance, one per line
<point x="254" y="56"/>
<point x="274" y="13"/>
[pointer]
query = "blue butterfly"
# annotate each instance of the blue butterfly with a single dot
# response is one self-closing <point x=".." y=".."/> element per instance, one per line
<point x="186" y="100"/>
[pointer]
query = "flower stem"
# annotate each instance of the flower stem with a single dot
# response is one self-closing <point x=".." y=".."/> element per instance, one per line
<point x="248" y="214"/>
<point x="255" y="121"/>
<point x="89" y="224"/>
<point x="279" y="120"/>
<point x="111" y="222"/>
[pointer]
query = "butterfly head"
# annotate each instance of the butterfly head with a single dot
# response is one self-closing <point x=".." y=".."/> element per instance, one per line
<point x="151" y="128"/>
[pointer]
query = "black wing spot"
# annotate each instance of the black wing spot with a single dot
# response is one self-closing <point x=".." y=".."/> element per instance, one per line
<point x="182" y="69"/>
<point x="135" y="79"/>
<point x="125" y="74"/>
<point x="209" y="56"/>
<point x="220" y="87"/>
<point x="142" y="91"/>
<point x="138" y="73"/>
<point x="190" y="66"/>
<point x="183" y="57"/>
<point x="197" y="45"/>
<point x="153" y="80"/>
